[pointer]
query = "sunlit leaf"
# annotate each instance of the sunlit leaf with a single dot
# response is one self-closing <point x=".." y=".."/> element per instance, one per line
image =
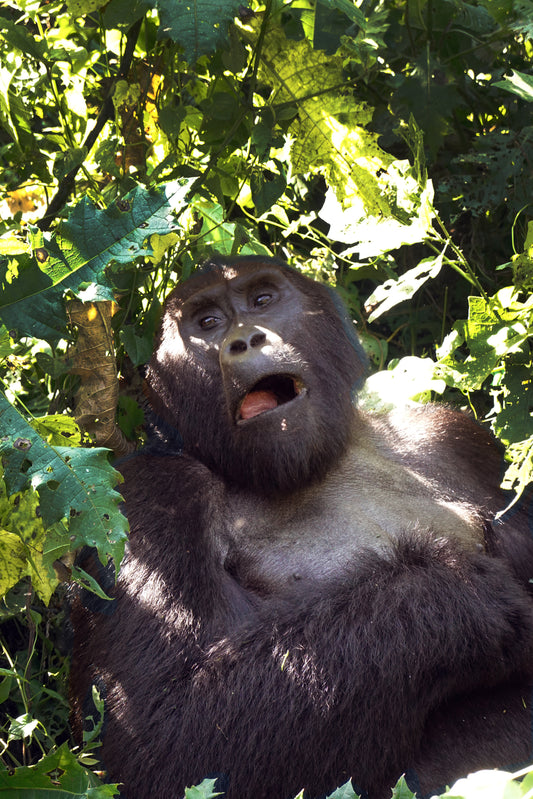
<point x="519" y="474"/>
<point x="485" y="785"/>
<point x="494" y="329"/>
<point x="518" y="83"/>
<point x="392" y="292"/>
<point x="407" y="382"/>
<point x="24" y="545"/>
<point x="75" y="485"/>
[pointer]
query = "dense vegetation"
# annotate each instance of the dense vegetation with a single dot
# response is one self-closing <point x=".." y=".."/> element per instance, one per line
<point x="379" y="146"/>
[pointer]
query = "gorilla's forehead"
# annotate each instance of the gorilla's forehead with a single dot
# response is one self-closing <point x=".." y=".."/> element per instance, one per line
<point x="225" y="275"/>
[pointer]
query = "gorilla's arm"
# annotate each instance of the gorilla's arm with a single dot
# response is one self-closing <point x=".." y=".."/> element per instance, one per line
<point x="369" y="660"/>
<point x="342" y="675"/>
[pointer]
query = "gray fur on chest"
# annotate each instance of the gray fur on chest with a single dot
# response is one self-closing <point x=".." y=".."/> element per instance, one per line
<point x="320" y="531"/>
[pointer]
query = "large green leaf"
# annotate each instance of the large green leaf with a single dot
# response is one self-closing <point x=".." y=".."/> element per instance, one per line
<point x="367" y="186"/>
<point x="29" y="303"/>
<point x="347" y="154"/>
<point x="77" y="254"/>
<point x="74" y="484"/>
<point x="199" y="26"/>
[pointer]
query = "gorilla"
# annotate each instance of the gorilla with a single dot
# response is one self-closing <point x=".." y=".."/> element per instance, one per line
<point x="311" y="593"/>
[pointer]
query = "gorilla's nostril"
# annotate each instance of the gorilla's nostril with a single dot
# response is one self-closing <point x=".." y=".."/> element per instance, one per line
<point x="257" y="340"/>
<point x="238" y="346"/>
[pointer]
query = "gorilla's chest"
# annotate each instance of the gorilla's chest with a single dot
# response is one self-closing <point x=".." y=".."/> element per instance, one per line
<point x="320" y="531"/>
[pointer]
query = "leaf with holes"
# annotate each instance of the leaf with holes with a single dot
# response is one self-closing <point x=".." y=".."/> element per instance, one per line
<point x="77" y="254"/>
<point x="74" y="484"/>
<point x="24" y="548"/>
<point x="399" y="289"/>
<point x="56" y="774"/>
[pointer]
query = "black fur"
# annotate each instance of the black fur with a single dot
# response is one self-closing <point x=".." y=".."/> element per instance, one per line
<point x="247" y="458"/>
<point x="310" y="594"/>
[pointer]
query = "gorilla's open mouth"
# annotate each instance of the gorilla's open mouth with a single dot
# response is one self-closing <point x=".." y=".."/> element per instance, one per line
<point x="269" y="393"/>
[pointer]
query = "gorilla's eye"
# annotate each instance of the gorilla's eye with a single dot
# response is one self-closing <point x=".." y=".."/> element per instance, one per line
<point x="262" y="299"/>
<point x="207" y="322"/>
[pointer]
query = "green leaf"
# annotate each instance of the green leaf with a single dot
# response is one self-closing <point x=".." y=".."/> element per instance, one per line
<point x="139" y="348"/>
<point x="96" y="719"/>
<point x="266" y="192"/>
<point x="402" y="791"/>
<point x="202" y="791"/>
<point x="328" y="133"/>
<point x="13" y="115"/>
<point x="20" y="38"/>
<point x="519" y="474"/>
<point x="68" y="160"/>
<point x="122" y="14"/>
<point x="199" y="26"/>
<point x="514" y="404"/>
<point x="130" y="416"/>
<point x="5" y="342"/>
<point x="26" y="548"/>
<point x="409" y="381"/>
<point x="5" y="688"/>
<point x="402" y="288"/>
<point x="88" y="582"/>
<point x="352" y="12"/>
<point x="13" y="562"/>
<point x="367" y="186"/>
<point x="523" y="23"/>
<point x="75" y="485"/>
<point x="345" y="791"/>
<point x="527" y="783"/>
<point x="57" y="775"/>
<point x="518" y="83"/>
<point x="78" y="8"/>
<point x="22" y="727"/>
<point x="31" y="291"/>
<point x="58" y="430"/>
<point x="23" y="544"/>
<point x="495" y="328"/>
<point x="227" y="238"/>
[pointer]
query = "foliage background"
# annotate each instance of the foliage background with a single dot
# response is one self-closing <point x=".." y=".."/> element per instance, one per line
<point x="383" y="147"/>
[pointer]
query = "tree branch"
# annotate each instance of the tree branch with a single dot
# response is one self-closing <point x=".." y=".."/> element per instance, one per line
<point x="66" y="186"/>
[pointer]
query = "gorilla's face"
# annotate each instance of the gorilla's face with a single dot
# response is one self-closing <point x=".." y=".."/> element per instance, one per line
<point x="254" y="367"/>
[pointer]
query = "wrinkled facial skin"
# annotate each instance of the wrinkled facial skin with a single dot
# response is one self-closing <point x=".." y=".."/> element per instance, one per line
<point x="255" y="368"/>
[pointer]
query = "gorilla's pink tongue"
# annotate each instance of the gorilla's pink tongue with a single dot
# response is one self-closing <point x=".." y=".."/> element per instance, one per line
<point x="257" y="402"/>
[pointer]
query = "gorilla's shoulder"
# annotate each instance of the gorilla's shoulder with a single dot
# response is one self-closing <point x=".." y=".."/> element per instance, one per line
<point x="441" y="427"/>
<point x="445" y="444"/>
